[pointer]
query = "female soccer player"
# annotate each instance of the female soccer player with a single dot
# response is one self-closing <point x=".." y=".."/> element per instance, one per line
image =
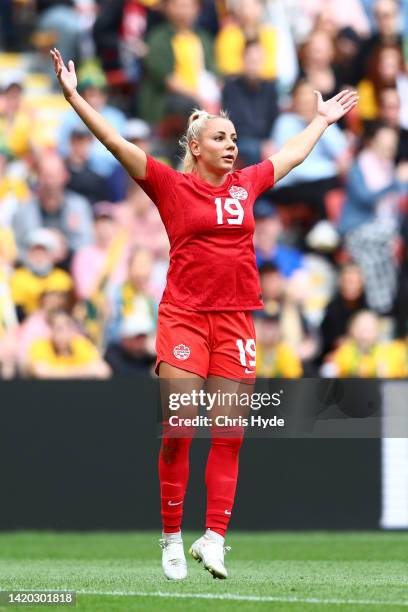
<point x="205" y="328"/>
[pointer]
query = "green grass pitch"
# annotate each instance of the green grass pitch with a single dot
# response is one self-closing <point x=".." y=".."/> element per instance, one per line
<point x="278" y="571"/>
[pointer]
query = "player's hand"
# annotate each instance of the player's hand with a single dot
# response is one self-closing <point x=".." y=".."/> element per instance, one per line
<point x="66" y="76"/>
<point x="334" y="109"/>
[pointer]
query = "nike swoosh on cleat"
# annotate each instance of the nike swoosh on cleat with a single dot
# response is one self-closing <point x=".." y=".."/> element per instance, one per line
<point x="170" y="503"/>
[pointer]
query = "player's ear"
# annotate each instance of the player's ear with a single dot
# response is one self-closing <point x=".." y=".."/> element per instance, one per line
<point x="195" y="147"/>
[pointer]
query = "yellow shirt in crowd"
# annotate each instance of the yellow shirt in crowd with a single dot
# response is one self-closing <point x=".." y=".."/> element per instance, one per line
<point x="10" y="185"/>
<point x="396" y="362"/>
<point x="27" y="287"/>
<point x="188" y="58"/>
<point x="17" y="135"/>
<point x="230" y="45"/>
<point x="367" y="103"/>
<point x="384" y="360"/>
<point x="278" y="361"/>
<point x="83" y="352"/>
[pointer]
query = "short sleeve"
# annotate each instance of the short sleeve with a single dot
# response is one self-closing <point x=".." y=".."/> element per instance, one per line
<point x="260" y="175"/>
<point x="159" y="181"/>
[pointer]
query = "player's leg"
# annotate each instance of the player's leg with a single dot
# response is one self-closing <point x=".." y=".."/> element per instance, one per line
<point x="175" y="446"/>
<point x="182" y="365"/>
<point x="174" y="467"/>
<point x="232" y="375"/>
<point x="221" y="472"/>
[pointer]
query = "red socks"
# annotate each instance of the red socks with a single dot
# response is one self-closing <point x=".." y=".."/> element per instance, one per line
<point x="220" y="478"/>
<point x="174" y="468"/>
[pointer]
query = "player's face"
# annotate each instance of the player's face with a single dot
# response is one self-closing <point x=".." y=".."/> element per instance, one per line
<point x="217" y="148"/>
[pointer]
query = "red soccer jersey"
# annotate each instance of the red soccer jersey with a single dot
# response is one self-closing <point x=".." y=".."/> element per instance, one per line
<point x="212" y="256"/>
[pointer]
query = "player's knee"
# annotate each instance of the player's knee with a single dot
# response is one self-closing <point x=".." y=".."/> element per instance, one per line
<point x="173" y="448"/>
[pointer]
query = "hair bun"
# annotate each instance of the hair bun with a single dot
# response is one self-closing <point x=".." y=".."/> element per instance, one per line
<point x="196" y="114"/>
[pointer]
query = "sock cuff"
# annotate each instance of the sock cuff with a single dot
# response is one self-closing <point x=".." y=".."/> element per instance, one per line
<point x="171" y="536"/>
<point x="215" y="536"/>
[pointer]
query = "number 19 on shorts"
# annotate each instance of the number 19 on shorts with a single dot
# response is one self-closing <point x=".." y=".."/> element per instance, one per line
<point x="247" y="354"/>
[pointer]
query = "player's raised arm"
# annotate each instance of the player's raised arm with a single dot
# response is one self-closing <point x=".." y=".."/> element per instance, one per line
<point x="295" y="151"/>
<point x="132" y="158"/>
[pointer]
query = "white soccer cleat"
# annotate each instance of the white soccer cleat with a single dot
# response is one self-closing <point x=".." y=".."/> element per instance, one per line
<point x="173" y="559"/>
<point x="211" y="553"/>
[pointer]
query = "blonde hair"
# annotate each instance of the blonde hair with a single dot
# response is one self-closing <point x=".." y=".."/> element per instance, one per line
<point x="196" y="123"/>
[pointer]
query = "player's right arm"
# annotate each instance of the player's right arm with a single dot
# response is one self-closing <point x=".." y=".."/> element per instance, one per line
<point x="132" y="158"/>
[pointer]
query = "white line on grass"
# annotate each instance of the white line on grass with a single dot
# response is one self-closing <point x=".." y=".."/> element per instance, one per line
<point x="259" y="598"/>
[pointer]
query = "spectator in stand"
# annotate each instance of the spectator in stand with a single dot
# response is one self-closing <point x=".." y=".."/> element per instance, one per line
<point x="279" y="297"/>
<point x="55" y="297"/>
<point x="268" y="249"/>
<point x="211" y="14"/>
<point x="67" y="214"/>
<point x="92" y="86"/>
<point x="389" y="112"/>
<point x="277" y="13"/>
<point x="348" y="13"/>
<point x="65" y="354"/>
<point x="133" y="353"/>
<point x="362" y="354"/>
<point x="97" y="266"/>
<point x="61" y="18"/>
<point x="314" y="178"/>
<point x="348" y="45"/>
<point x="14" y="190"/>
<point x="98" y="269"/>
<point x="251" y="103"/>
<point x="30" y="279"/>
<point x="137" y="132"/>
<point x="370" y="216"/>
<point x="384" y="67"/>
<point x="119" y="32"/>
<point x="317" y="64"/>
<point x="82" y="179"/>
<point x="140" y="216"/>
<point x="387" y="31"/>
<point x="16" y="118"/>
<point x="178" y="69"/>
<point x="274" y="358"/>
<point x="247" y="23"/>
<point x="134" y="297"/>
<point x="348" y="300"/>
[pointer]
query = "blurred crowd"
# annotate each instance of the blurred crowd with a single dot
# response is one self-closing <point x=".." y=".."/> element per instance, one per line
<point x="83" y="252"/>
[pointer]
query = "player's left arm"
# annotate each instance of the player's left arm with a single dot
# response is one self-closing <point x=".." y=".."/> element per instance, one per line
<point x="295" y="151"/>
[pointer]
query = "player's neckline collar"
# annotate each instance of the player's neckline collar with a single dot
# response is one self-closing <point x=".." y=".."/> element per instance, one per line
<point x="217" y="188"/>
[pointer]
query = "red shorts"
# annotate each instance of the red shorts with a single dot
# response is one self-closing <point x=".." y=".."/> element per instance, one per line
<point x="207" y="343"/>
